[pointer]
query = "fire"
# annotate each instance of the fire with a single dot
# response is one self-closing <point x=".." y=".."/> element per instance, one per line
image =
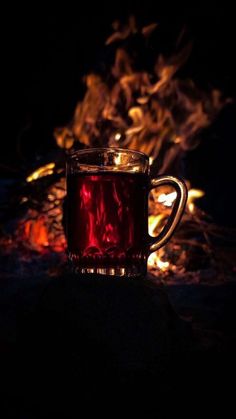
<point x="155" y="262"/>
<point x="41" y="228"/>
<point x="193" y="194"/>
<point x="46" y="170"/>
<point x="145" y="111"/>
<point x="167" y="199"/>
<point x="155" y="222"/>
<point x="130" y="107"/>
<point x="117" y="136"/>
<point x="36" y="233"/>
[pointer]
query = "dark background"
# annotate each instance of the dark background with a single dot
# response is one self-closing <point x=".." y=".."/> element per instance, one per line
<point x="47" y="52"/>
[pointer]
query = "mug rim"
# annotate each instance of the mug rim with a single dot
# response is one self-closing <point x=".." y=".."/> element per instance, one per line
<point x="92" y="149"/>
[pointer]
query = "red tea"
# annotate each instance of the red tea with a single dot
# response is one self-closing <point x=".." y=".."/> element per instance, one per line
<point x="107" y="220"/>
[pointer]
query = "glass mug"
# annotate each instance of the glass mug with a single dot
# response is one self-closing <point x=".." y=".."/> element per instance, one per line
<point x="107" y="211"/>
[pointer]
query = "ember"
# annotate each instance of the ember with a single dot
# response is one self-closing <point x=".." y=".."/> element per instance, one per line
<point x="41" y="229"/>
<point x="157" y="114"/>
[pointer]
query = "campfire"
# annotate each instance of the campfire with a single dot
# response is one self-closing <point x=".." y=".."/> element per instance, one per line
<point x="129" y="106"/>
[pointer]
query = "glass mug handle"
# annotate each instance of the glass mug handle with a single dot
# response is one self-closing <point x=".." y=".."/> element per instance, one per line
<point x="177" y="211"/>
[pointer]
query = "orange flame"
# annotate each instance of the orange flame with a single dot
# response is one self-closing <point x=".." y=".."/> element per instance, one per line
<point x="36" y="233"/>
<point x="156" y="259"/>
<point x="42" y="228"/>
<point x="146" y="111"/>
<point x="46" y="170"/>
<point x="155" y="262"/>
<point x="193" y="194"/>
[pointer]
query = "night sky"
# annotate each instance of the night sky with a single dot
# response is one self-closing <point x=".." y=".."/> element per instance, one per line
<point x="47" y="52"/>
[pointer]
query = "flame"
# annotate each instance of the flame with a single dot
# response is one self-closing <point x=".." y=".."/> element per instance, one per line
<point x="141" y="107"/>
<point x="41" y="232"/>
<point x="193" y="194"/>
<point x="155" y="260"/>
<point x="154" y="222"/>
<point x="46" y="170"/>
<point x="167" y="199"/>
<point x="36" y="233"/>
<point x="64" y="138"/>
<point x="117" y="136"/>
<point x="147" y="111"/>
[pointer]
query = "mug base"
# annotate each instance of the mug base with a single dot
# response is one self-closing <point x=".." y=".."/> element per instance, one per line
<point x="131" y="272"/>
